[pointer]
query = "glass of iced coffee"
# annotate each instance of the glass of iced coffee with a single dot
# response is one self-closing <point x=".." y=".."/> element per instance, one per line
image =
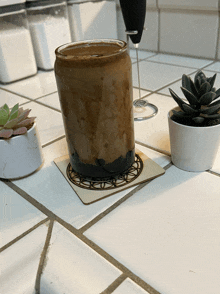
<point x="94" y="81"/>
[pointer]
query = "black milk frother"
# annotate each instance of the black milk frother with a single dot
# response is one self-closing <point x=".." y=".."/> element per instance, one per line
<point x="134" y="13"/>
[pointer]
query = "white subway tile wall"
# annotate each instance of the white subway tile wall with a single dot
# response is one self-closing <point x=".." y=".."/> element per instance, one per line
<point x="188" y="28"/>
<point x="150" y="36"/>
<point x="189" y="4"/>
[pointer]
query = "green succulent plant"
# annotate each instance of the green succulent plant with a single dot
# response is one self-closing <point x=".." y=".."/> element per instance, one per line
<point x="15" y="121"/>
<point x="201" y="110"/>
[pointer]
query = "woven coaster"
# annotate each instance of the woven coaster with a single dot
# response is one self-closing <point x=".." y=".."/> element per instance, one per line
<point x="149" y="171"/>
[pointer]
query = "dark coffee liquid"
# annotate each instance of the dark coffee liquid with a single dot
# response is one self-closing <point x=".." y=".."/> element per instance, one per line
<point x="95" y="90"/>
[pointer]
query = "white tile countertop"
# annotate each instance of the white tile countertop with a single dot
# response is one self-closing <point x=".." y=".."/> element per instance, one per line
<point x="162" y="236"/>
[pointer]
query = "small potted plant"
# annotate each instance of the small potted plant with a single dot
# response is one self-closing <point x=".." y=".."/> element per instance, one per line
<point x="20" y="148"/>
<point x="194" y="127"/>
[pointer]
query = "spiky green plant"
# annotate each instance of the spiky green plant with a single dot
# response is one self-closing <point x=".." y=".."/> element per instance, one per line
<point x="15" y="121"/>
<point x="201" y="110"/>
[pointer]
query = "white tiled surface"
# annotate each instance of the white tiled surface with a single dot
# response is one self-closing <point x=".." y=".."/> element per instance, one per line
<point x="129" y="287"/>
<point x="181" y="60"/>
<point x="141" y="54"/>
<point x="19" y="263"/>
<point x="11" y="99"/>
<point x="49" y="122"/>
<point x="167" y="233"/>
<point x="16" y="215"/>
<point x="216" y="166"/>
<point x="214" y="67"/>
<point x="61" y="198"/>
<point x="176" y="86"/>
<point x="75" y="269"/>
<point x="155" y="75"/>
<point x="51" y="100"/>
<point x="154" y="132"/>
<point x="37" y="86"/>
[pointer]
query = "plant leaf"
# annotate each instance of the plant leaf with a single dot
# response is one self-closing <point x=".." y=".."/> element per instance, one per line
<point x="212" y="80"/>
<point x="20" y="131"/>
<point x="6" y="133"/>
<point x="215" y="103"/>
<point x="217" y="94"/>
<point x="197" y="84"/>
<point x="198" y="79"/>
<point x="190" y="97"/>
<point x="194" y="91"/>
<point x="186" y="82"/>
<point x="211" y="109"/>
<point x="180" y="114"/>
<point x="200" y="74"/>
<point x="24" y="115"/>
<point x="198" y="119"/>
<point x="207" y="98"/>
<point x="14" y="112"/>
<point x="26" y="122"/>
<point x="5" y="106"/>
<point x="206" y="87"/>
<point x="212" y="116"/>
<point x="20" y="111"/>
<point x="3" y="116"/>
<point x="189" y="110"/>
<point x="11" y="123"/>
<point x="178" y="100"/>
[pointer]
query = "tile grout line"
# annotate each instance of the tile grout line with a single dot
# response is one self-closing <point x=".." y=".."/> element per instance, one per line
<point x="115" y="284"/>
<point x="22" y="96"/>
<point x="177" y="80"/>
<point x="217" y="40"/>
<point x="188" y="10"/>
<point x="83" y="238"/>
<point x="159" y="26"/>
<point x="23" y="234"/>
<point x="169" y="84"/>
<point x="153" y="148"/>
<point x="178" y="55"/>
<point x="53" y="141"/>
<point x="176" y="65"/>
<point x="116" y="204"/>
<point x="213" y="173"/>
<point x="42" y="262"/>
<point x="46" y="105"/>
<point x="26" y="97"/>
<point x="146" y="58"/>
<point x="112" y="207"/>
<point x="117" y="264"/>
<point x="46" y="95"/>
<point x="30" y="199"/>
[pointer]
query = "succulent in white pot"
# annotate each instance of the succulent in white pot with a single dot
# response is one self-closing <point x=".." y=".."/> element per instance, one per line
<point x="20" y="148"/>
<point x="194" y="126"/>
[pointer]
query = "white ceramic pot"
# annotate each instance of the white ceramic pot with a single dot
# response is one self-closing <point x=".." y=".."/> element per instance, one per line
<point x="20" y="155"/>
<point x="193" y="148"/>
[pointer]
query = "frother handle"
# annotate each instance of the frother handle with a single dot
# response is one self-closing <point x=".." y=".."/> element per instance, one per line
<point x="134" y="12"/>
